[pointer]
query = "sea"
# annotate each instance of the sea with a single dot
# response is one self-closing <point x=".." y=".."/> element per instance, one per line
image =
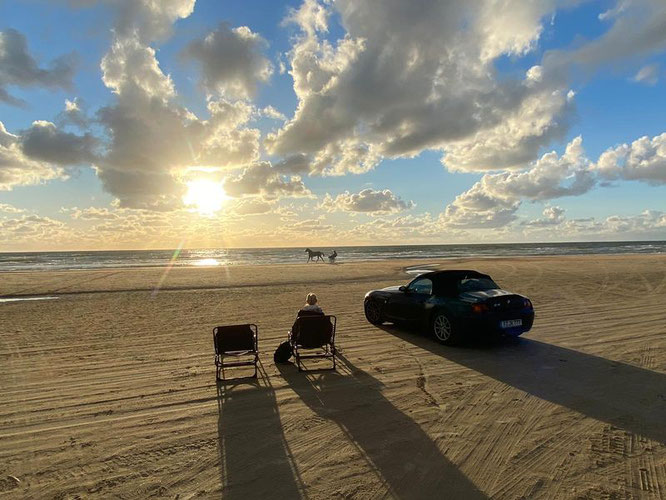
<point x="52" y="261"/>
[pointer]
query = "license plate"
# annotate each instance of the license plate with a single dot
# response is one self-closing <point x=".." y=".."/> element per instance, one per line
<point x="510" y="323"/>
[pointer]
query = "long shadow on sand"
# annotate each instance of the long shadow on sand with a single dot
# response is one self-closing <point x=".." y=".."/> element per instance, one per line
<point x="403" y="456"/>
<point x="255" y="461"/>
<point x="625" y="396"/>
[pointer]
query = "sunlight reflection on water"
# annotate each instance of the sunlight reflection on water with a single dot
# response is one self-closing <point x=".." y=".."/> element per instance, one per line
<point x="207" y="262"/>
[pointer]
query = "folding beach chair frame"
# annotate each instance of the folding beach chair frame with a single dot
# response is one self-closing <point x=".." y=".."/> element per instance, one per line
<point x="329" y="348"/>
<point x="220" y="365"/>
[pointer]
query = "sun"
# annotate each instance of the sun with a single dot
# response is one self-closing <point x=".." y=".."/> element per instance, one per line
<point x="205" y="196"/>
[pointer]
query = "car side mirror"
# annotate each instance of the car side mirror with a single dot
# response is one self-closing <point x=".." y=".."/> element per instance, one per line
<point x="403" y="288"/>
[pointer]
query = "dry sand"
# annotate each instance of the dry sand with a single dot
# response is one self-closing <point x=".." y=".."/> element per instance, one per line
<point x="109" y="391"/>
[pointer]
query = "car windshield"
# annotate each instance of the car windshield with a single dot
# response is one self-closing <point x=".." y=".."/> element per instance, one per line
<point x="476" y="284"/>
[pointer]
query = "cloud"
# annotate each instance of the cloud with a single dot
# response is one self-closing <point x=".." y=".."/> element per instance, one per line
<point x="75" y="113"/>
<point x="637" y="31"/>
<point x="91" y="213"/>
<point x="402" y="80"/>
<point x="649" y="75"/>
<point x="416" y="228"/>
<point x="231" y="61"/>
<point x="309" y="226"/>
<point x="516" y="140"/>
<point x="271" y="112"/>
<point x="494" y="200"/>
<point x="150" y="20"/>
<point x="262" y="179"/>
<point x="551" y="176"/>
<point x="552" y="216"/>
<point x="18" y="67"/>
<point x="18" y="169"/>
<point x="154" y="141"/>
<point x="251" y="206"/>
<point x="642" y="160"/>
<point x="650" y="224"/>
<point x="44" y="141"/>
<point x="10" y="209"/>
<point x="294" y="164"/>
<point x="368" y="201"/>
<point x="31" y="228"/>
<point x="479" y="208"/>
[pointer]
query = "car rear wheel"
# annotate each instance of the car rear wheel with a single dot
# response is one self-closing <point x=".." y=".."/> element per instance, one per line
<point x="373" y="312"/>
<point x="442" y="329"/>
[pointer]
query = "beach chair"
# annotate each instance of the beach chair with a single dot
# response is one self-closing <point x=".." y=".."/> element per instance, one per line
<point x="238" y="342"/>
<point x="315" y="334"/>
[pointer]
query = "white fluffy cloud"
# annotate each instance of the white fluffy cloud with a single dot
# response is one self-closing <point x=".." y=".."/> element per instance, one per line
<point x="552" y="216"/>
<point x="405" y="79"/>
<point x="551" y="176"/>
<point x="494" y="200"/>
<point x="231" y="60"/>
<point x="18" y="67"/>
<point x="368" y="201"/>
<point x="479" y="208"/>
<point x="643" y="160"/>
<point x="149" y="19"/>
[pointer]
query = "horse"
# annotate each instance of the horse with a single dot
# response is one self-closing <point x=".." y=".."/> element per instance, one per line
<point x="312" y="255"/>
<point x="331" y="258"/>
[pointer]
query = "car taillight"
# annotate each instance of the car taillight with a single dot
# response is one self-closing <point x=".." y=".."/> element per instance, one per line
<point x="479" y="308"/>
<point x="527" y="303"/>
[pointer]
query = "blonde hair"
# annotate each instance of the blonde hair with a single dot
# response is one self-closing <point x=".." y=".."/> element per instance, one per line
<point x="311" y="299"/>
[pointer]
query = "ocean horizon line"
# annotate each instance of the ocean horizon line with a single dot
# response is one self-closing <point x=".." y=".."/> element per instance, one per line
<point x="199" y="257"/>
<point x="384" y="245"/>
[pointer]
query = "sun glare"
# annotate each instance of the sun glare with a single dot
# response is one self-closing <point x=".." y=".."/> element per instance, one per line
<point x="205" y="196"/>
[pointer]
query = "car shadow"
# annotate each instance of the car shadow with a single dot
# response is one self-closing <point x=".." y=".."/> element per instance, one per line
<point x="623" y="395"/>
<point x="255" y="459"/>
<point x="404" y="457"/>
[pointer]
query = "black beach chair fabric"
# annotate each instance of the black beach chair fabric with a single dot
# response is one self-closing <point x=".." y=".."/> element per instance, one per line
<point x="313" y="333"/>
<point x="237" y="341"/>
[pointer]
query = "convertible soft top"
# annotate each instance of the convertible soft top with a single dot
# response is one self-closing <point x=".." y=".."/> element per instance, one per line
<point x="443" y="281"/>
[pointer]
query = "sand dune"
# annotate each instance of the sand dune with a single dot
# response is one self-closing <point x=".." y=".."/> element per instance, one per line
<point x="109" y="390"/>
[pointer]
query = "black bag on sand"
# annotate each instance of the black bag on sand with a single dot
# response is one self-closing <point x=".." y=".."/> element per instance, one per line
<point x="283" y="352"/>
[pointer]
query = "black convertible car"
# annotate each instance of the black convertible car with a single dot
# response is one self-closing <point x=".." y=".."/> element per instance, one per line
<point x="452" y="304"/>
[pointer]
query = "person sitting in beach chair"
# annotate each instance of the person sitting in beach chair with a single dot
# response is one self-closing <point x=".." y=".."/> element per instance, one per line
<point x="313" y="331"/>
<point x="311" y="308"/>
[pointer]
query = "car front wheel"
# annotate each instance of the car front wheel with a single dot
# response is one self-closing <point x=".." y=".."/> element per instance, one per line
<point x="373" y="312"/>
<point x="442" y="329"/>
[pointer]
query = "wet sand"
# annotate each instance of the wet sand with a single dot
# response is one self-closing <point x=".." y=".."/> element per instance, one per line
<point x="109" y="390"/>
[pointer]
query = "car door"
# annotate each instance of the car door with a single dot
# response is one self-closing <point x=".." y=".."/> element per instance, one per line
<point x="410" y="304"/>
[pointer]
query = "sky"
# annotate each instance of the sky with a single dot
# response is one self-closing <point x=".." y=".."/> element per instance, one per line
<point x="140" y="124"/>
